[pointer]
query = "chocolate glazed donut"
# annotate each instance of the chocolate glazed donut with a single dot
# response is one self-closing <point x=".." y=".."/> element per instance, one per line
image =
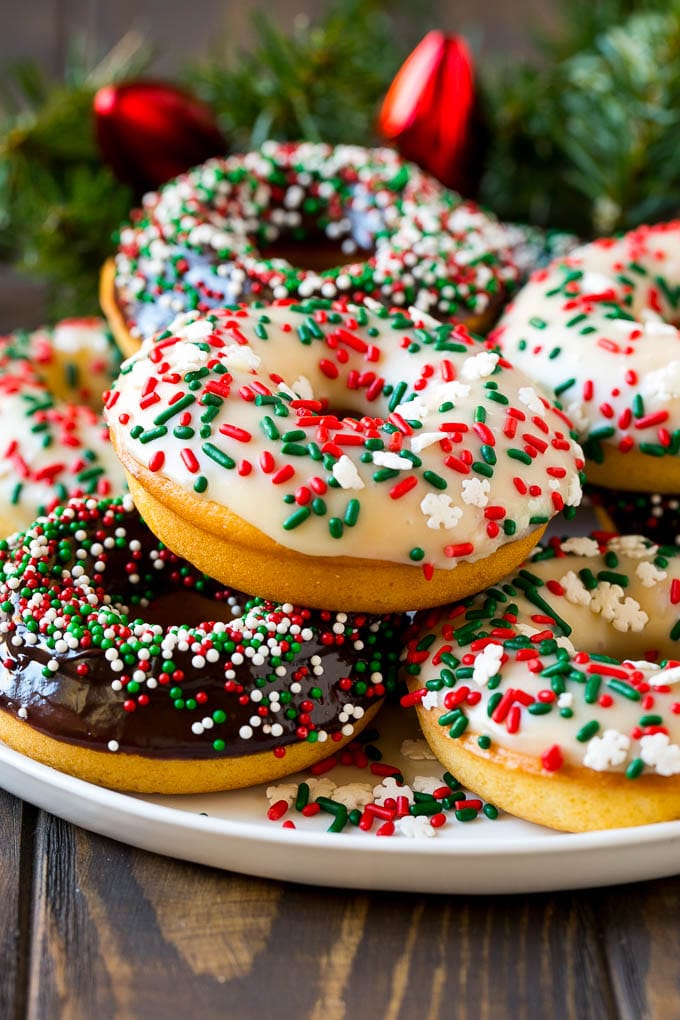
<point x="96" y="681"/>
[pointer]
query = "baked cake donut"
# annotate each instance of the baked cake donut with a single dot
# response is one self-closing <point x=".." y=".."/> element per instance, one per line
<point x="108" y="674"/>
<point x="308" y="220"/>
<point x="555" y="693"/>
<point x="355" y="460"/>
<point x="54" y="443"/>
<point x="598" y="331"/>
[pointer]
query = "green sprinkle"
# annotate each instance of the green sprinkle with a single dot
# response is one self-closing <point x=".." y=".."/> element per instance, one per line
<point x="151" y="434"/>
<point x="174" y="409"/>
<point x="269" y="427"/>
<point x="520" y="455"/>
<point x="297" y="518"/>
<point x="219" y="456"/>
<point x="635" y="768"/>
<point x="335" y="527"/>
<point x="587" y="731"/>
<point x="434" y="479"/>
<point x="622" y="687"/>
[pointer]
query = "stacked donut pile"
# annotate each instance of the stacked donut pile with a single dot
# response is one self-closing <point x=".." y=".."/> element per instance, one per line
<point x="337" y="442"/>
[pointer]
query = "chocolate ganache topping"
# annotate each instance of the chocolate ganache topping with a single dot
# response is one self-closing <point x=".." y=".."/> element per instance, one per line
<point x="86" y="662"/>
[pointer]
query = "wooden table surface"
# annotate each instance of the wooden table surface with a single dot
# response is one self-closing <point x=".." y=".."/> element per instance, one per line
<point x="94" y="930"/>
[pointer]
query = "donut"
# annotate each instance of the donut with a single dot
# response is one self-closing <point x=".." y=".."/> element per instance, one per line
<point x="356" y="460"/>
<point x="54" y="443"/>
<point x="654" y="514"/>
<point x="307" y="220"/>
<point x="555" y="693"/>
<point x="110" y="671"/>
<point x="597" y="331"/>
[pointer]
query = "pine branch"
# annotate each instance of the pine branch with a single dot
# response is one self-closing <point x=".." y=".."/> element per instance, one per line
<point x="322" y="81"/>
<point x="587" y="143"/>
<point x="60" y="204"/>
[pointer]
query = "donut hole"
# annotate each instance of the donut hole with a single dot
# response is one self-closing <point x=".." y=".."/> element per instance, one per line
<point x="189" y="607"/>
<point x="315" y="255"/>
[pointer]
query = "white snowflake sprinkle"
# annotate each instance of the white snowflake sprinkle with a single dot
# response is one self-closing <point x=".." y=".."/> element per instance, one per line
<point x="415" y="827"/>
<point x="417" y="750"/>
<point x="606" y="751"/>
<point x="574" y="589"/>
<point x="623" y="612"/>
<point x="581" y="545"/>
<point x="479" y="366"/>
<point x="649" y="574"/>
<point x="346" y="474"/>
<point x="657" y="750"/>
<point x="390" y="789"/>
<point x="634" y="546"/>
<point x="530" y="398"/>
<point x="487" y="664"/>
<point x="355" y="796"/>
<point x="383" y="458"/>
<point x="475" y="491"/>
<point x="440" y="510"/>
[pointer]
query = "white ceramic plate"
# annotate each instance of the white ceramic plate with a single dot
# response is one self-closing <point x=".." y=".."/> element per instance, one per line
<point x="231" y="831"/>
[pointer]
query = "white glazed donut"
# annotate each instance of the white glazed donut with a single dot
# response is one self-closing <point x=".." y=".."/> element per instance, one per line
<point x="54" y="443"/>
<point x="556" y="693"/>
<point x="598" y="331"/>
<point x="346" y="459"/>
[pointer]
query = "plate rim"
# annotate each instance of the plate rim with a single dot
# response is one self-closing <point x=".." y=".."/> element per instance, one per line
<point x="145" y="809"/>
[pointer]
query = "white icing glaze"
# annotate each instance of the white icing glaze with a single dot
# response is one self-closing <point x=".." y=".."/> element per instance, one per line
<point x="433" y="497"/>
<point x="599" y="328"/>
<point x="54" y="441"/>
<point x="639" y="718"/>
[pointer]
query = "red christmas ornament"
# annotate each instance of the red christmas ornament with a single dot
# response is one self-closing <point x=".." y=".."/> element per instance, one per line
<point x="149" y="132"/>
<point x="429" y="113"/>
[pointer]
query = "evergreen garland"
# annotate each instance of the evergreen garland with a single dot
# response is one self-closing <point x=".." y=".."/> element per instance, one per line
<point x="583" y="137"/>
<point x="322" y="81"/>
<point x="586" y="142"/>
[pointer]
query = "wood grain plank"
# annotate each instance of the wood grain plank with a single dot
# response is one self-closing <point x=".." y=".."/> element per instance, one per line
<point x="119" y="932"/>
<point x="641" y="933"/>
<point x="17" y="821"/>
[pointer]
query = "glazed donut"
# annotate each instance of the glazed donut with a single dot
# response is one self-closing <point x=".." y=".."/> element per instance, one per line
<point x="349" y="460"/>
<point x="308" y="220"/>
<point x="555" y="693"/>
<point x="54" y="443"/>
<point x="596" y="330"/>
<point x="97" y="683"/>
